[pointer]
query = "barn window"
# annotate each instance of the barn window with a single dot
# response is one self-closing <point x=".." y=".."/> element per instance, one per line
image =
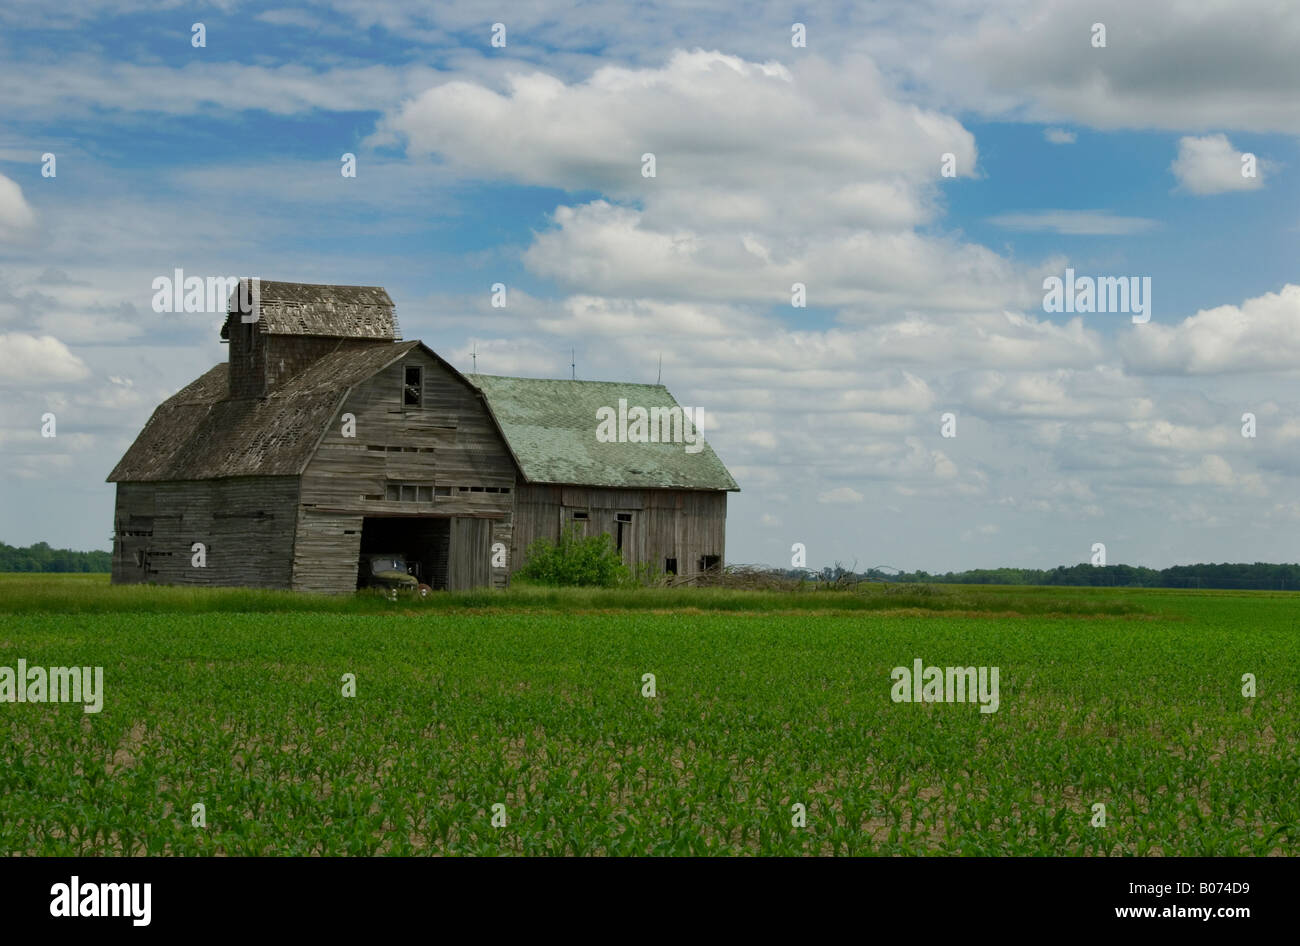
<point x="623" y="517"/>
<point x="408" y="493"/>
<point x="393" y="493"/>
<point x="425" y="494"/>
<point x="708" y="562"/>
<point x="670" y="566"/>
<point x="442" y="491"/>
<point x="413" y="388"/>
<point x="580" y="516"/>
<point x="622" y="520"/>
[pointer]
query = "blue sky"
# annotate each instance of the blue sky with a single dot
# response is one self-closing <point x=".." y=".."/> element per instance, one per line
<point x="820" y="164"/>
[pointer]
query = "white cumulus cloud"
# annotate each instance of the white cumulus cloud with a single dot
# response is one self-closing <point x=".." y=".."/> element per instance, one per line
<point x="16" y="215"/>
<point x="31" y="359"/>
<point x="1211" y="165"/>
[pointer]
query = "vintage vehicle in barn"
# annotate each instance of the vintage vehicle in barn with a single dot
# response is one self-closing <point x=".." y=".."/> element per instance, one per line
<point x="388" y="572"/>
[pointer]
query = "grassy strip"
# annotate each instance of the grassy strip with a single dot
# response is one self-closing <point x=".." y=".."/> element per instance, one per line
<point x="92" y="594"/>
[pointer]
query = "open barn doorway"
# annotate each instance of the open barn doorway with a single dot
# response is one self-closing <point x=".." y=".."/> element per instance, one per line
<point x="423" y="541"/>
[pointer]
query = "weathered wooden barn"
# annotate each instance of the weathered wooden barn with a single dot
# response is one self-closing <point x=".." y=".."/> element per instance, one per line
<point x="325" y="438"/>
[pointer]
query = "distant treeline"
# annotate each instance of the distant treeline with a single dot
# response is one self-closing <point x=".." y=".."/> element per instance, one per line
<point x="1258" y="575"/>
<point x="41" y="558"/>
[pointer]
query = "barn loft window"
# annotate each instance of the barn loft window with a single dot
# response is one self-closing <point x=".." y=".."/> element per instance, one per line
<point x="413" y="387"/>
<point x="410" y="493"/>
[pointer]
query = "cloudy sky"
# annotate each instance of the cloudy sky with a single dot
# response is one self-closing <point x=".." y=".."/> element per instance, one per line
<point x="775" y="164"/>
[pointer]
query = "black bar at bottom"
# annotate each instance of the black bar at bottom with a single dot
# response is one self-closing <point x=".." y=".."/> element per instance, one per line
<point x="333" y="895"/>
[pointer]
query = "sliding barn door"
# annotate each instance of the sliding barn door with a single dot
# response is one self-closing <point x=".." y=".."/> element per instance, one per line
<point x="470" y="555"/>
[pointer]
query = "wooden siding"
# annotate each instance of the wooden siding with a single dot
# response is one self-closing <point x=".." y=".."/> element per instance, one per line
<point x="470" y="555"/>
<point x="448" y="442"/>
<point x="681" y="524"/>
<point x="247" y="355"/>
<point x="246" y="524"/>
<point x="327" y="552"/>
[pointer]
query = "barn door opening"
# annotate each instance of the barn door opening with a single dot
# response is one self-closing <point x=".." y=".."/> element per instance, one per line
<point x="623" y="536"/>
<point x="421" y="541"/>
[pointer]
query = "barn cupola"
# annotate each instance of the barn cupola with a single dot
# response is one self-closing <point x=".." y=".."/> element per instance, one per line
<point x="296" y="323"/>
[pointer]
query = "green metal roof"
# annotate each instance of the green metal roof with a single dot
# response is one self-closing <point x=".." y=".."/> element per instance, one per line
<point x="550" y="426"/>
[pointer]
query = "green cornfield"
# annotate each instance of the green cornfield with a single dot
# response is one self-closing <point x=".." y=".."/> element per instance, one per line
<point x="519" y="723"/>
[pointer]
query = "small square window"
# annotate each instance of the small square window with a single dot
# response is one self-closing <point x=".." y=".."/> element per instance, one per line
<point x="442" y="491"/>
<point x="408" y="493"/>
<point x="424" y="494"/>
<point x="393" y="493"/>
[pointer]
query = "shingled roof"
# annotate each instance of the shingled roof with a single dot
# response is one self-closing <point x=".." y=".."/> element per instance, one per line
<point x="550" y="426"/>
<point x="294" y="308"/>
<point x="197" y="434"/>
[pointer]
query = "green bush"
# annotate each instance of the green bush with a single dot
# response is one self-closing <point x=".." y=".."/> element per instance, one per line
<point x="576" y="560"/>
